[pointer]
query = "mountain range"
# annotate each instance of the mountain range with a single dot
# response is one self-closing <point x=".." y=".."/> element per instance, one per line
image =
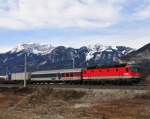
<point x="48" y="57"/>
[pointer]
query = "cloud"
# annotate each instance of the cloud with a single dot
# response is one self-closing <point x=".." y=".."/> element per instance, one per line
<point x="122" y="37"/>
<point x="143" y="14"/>
<point x="25" y="14"/>
<point x="142" y="10"/>
<point x="114" y="40"/>
<point x="4" y="49"/>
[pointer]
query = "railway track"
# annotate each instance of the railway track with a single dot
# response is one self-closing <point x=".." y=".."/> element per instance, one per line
<point x="67" y="86"/>
<point x="139" y="87"/>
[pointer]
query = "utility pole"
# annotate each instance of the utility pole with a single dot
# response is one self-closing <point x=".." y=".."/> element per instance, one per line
<point x="73" y="61"/>
<point x="25" y="70"/>
<point x="6" y="72"/>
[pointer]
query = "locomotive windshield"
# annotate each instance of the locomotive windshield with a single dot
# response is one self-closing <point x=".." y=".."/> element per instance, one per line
<point x="135" y="69"/>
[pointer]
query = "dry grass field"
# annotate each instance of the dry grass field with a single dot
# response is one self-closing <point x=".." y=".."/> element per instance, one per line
<point x="47" y="103"/>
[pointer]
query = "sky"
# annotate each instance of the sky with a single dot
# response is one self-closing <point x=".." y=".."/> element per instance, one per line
<point x="74" y="23"/>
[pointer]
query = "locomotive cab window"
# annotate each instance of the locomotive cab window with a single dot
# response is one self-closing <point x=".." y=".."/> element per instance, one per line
<point x="135" y="69"/>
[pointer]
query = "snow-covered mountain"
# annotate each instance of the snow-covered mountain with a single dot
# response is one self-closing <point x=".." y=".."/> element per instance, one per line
<point x="105" y="55"/>
<point x="43" y="57"/>
<point x="34" y="48"/>
<point x="44" y="49"/>
<point x="98" y="48"/>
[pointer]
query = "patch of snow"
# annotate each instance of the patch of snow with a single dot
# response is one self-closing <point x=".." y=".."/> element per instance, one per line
<point x="93" y="49"/>
<point x="89" y="56"/>
<point x="19" y="54"/>
<point x="5" y="60"/>
<point x="43" y="63"/>
<point x="96" y="48"/>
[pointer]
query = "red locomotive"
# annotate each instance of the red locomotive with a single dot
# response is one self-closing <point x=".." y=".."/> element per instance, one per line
<point x="119" y="73"/>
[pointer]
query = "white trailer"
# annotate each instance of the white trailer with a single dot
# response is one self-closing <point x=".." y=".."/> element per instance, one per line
<point x="20" y="76"/>
<point x="3" y="77"/>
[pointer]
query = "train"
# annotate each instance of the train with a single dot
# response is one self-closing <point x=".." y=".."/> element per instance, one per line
<point x="115" y="74"/>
